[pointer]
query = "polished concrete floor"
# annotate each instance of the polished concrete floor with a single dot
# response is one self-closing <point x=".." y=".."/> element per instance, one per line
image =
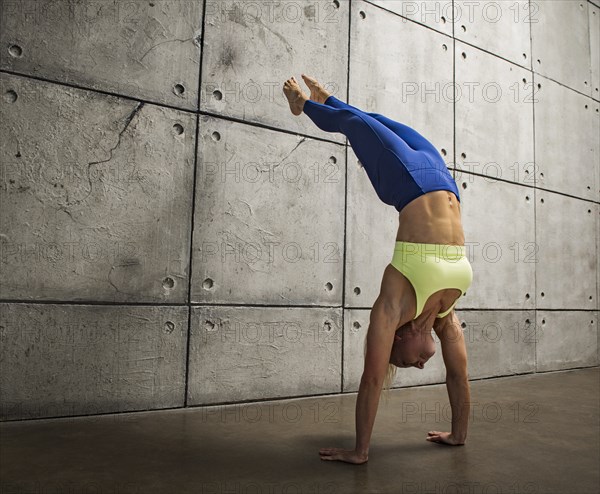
<point x="531" y="434"/>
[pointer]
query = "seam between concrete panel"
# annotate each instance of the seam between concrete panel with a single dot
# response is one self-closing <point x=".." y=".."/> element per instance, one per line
<point x="171" y="107"/>
<point x="193" y="218"/>
<point x="191" y="306"/>
<point x="350" y="5"/>
<point x="420" y="24"/>
<point x="535" y="189"/>
<point x="532" y="187"/>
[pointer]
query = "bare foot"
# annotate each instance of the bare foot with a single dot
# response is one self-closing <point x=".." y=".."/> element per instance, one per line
<point x="295" y="95"/>
<point x="317" y="91"/>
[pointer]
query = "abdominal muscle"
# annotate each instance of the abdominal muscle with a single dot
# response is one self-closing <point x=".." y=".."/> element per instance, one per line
<point x="433" y="218"/>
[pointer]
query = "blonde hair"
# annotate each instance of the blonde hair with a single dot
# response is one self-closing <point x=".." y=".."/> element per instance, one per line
<point x="389" y="375"/>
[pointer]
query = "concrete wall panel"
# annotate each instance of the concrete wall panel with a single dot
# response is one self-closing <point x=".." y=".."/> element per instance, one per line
<point x="252" y="47"/>
<point x="494" y="116"/>
<point x="501" y="28"/>
<point x="96" y="195"/>
<point x="566" y="339"/>
<point x="65" y="360"/>
<point x="565" y="144"/>
<point x="499" y="343"/>
<point x="436" y="14"/>
<point x="140" y="49"/>
<point x="501" y="251"/>
<point x="356" y="324"/>
<point x="390" y="75"/>
<point x="269" y="216"/>
<point x="252" y="353"/>
<point x="565" y="59"/>
<point x="567" y="263"/>
<point x="370" y="237"/>
<point x="594" y="18"/>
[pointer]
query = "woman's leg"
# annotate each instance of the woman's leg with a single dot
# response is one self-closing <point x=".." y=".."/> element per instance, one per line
<point x="408" y="134"/>
<point x="385" y="156"/>
<point x="366" y="134"/>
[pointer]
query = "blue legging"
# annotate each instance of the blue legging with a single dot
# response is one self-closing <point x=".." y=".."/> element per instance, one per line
<point x="397" y="158"/>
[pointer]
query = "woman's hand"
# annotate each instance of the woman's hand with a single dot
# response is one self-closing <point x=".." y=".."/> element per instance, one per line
<point x="347" y="455"/>
<point x="444" y="438"/>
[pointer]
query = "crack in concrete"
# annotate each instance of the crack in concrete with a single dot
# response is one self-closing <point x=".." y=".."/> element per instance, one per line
<point x="164" y="42"/>
<point x="128" y="121"/>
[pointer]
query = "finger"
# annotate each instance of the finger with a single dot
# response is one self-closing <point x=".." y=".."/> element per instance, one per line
<point x="437" y="433"/>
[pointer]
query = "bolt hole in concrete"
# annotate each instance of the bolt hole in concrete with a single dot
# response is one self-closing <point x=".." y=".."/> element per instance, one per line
<point x="169" y="327"/>
<point x="356" y="325"/>
<point x="362" y="14"/>
<point x="327" y="326"/>
<point x="525" y="56"/>
<point x="178" y="89"/>
<point x="542" y="175"/>
<point x="539" y="86"/>
<point x="542" y="200"/>
<point x="590" y="297"/>
<point x="332" y="159"/>
<point x="543" y="321"/>
<point x="463" y="155"/>
<point x="168" y="283"/>
<point x="178" y="129"/>
<point x="589" y="188"/>
<point x="527" y="198"/>
<point x="464" y="185"/>
<point x="15" y="51"/>
<point x="207" y="284"/>
<point x="527" y="296"/>
<point x="443" y="22"/>
<point x="336" y="3"/>
<point x="463" y="28"/>
<point x="10" y="96"/>
<point x="524" y="80"/>
<point x="218" y="95"/>
<point x="592" y="321"/>
<point x="443" y="152"/>
<point x="586" y="107"/>
<point x="329" y="286"/>
<point x="542" y="294"/>
<point x="464" y="55"/>
<point x="463" y="324"/>
<point x="589" y="210"/>
<point x="444" y="47"/>
<point x="527" y="321"/>
<point x="216" y="136"/>
<point x="209" y="326"/>
<point x="356" y="290"/>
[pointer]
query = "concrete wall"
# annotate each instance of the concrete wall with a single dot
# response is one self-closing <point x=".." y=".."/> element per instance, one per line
<point x="172" y="236"/>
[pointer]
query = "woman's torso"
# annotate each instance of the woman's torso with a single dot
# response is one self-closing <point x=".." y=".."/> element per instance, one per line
<point x="433" y="218"/>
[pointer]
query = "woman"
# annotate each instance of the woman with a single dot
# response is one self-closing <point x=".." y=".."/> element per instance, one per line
<point x="428" y="271"/>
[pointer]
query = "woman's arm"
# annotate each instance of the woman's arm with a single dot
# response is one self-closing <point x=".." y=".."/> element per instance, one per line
<point x="380" y="339"/>
<point x="457" y="380"/>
